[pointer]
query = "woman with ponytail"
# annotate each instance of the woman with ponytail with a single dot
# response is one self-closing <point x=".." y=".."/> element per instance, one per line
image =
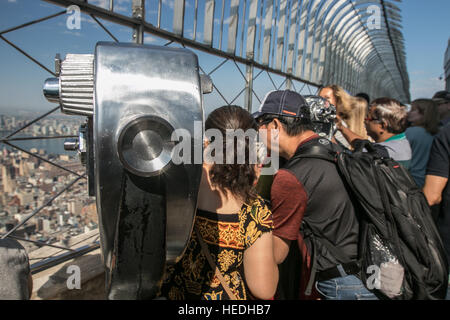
<point x="230" y="253"/>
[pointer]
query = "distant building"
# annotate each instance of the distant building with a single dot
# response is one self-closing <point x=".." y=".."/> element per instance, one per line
<point x="75" y="206"/>
<point x="25" y="197"/>
<point x="8" y="175"/>
<point x="447" y="67"/>
<point x="44" y="225"/>
<point x="64" y="157"/>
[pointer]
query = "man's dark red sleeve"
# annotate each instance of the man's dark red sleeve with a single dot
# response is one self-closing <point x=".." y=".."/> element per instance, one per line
<point x="288" y="199"/>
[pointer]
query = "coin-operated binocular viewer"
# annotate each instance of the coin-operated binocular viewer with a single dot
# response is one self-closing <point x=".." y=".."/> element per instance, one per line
<point x="135" y="97"/>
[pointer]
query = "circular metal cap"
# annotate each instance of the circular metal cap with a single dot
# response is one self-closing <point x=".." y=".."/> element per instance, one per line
<point x="145" y="146"/>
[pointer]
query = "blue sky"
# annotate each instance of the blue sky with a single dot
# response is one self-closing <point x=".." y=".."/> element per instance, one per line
<point x="426" y="27"/>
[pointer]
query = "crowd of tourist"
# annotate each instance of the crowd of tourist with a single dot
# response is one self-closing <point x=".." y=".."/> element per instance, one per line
<point x="247" y="236"/>
<point x="254" y="238"/>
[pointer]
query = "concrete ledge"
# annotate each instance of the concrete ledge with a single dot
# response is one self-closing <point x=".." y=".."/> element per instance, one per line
<point x="52" y="283"/>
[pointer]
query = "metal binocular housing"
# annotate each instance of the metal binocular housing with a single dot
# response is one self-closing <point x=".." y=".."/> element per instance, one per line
<point x="135" y="97"/>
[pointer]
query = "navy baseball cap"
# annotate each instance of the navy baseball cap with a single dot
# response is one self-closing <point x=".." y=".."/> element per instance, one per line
<point x="284" y="103"/>
<point x="442" y="97"/>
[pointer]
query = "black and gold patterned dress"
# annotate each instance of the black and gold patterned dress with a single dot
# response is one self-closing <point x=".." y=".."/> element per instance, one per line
<point x="227" y="237"/>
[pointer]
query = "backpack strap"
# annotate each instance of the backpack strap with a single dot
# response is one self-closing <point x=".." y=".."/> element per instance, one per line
<point x="316" y="151"/>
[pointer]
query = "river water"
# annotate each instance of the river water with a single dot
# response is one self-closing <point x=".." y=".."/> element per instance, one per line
<point x="51" y="146"/>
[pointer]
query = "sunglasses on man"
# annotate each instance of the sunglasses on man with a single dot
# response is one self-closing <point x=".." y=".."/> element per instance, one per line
<point x="369" y="119"/>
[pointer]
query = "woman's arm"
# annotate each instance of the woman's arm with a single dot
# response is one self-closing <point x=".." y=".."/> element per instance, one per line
<point x="261" y="271"/>
<point x="348" y="134"/>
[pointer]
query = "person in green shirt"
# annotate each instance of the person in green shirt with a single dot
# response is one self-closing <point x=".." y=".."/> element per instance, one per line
<point x="385" y="123"/>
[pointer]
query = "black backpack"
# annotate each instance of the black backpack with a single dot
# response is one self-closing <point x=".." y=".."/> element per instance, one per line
<point x="396" y="224"/>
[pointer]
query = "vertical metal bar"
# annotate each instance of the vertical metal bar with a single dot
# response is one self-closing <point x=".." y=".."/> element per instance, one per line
<point x="312" y="27"/>
<point x="301" y="37"/>
<point x="321" y="42"/>
<point x="138" y="12"/>
<point x="249" y="88"/>
<point x="233" y="26"/>
<point x="286" y="34"/>
<point x="195" y="19"/>
<point x="178" y="17"/>
<point x="274" y="28"/>
<point x="288" y="83"/>
<point x="267" y="32"/>
<point x="209" y="22"/>
<point x="292" y="36"/>
<point x="243" y="27"/>
<point x="250" y="53"/>
<point x="159" y="13"/>
<point x="321" y="64"/>
<point x="260" y="30"/>
<point x="281" y="33"/>
<point x="111" y="5"/>
<point x="251" y="30"/>
<point x="221" y="25"/>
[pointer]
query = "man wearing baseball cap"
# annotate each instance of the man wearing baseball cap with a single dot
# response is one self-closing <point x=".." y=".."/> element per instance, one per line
<point x="311" y="208"/>
<point x="442" y="98"/>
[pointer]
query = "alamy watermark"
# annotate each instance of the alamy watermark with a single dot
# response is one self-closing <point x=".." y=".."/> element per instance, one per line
<point x="388" y="278"/>
<point x="74" y="280"/>
<point x="73" y="21"/>
<point x="235" y="147"/>
<point x="374" y="20"/>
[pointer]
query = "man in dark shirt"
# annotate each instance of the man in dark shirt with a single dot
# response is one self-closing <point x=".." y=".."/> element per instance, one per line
<point x="437" y="188"/>
<point x="442" y="98"/>
<point x="310" y="204"/>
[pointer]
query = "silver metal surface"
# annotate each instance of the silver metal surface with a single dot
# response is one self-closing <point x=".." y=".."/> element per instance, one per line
<point x="51" y="90"/>
<point x="267" y="39"/>
<point x="206" y="84"/>
<point x="138" y="13"/>
<point x="71" y="144"/>
<point x="233" y="26"/>
<point x="178" y="17"/>
<point x="209" y="22"/>
<point x="281" y="21"/>
<point x="77" y="84"/>
<point x="127" y="91"/>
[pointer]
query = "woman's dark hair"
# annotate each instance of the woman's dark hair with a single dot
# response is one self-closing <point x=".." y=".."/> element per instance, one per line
<point x="429" y="110"/>
<point x="237" y="178"/>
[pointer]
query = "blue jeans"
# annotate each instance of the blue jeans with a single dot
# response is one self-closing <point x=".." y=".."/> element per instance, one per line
<point x="348" y="287"/>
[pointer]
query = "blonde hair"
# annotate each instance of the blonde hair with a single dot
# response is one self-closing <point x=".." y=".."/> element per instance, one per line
<point x="351" y="109"/>
<point x="358" y="113"/>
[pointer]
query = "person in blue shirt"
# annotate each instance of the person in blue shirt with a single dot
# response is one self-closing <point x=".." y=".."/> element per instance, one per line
<point x="424" y="119"/>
